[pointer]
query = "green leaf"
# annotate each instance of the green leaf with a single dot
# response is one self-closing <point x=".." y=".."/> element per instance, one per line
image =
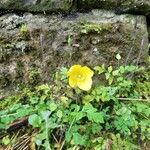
<point x="53" y="106"/>
<point x="110" y="80"/>
<point x="45" y="114"/>
<point x="99" y="69"/>
<point x="59" y="114"/>
<point x="96" y="117"/>
<point x="2" y="126"/>
<point x="63" y="73"/>
<point x="115" y="73"/>
<point x="131" y="68"/>
<point x="35" y="120"/>
<point x="110" y="68"/>
<point x="34" y="99"/>
<point x="92" y="114"/>
<point x="122" y="69"/>
<point x="107" y="75"/>
<point x="44" y="87"/>
<point x="23" y="112"/>
<point x="147" y="112"/>
<point x="65" y="101"/>
<point x="79" y="139"/>
<point x="68" y="136"/>
<point x="41" y="136"/>
<point x="6" y="140"/>
<point x="70" y="132"/>
<point x="8" y="119"/>
<point x="141" y="107"/>
<point x="96" y="128"/>
<point x="87" y="99"/>
<point x="123" y="111"/>
<point x="38" y="142"/>
<point x="80" y="115"/>
<point x="69" y="40"/>
<point x="119" y="79"/>
<point x="89" y="108"/>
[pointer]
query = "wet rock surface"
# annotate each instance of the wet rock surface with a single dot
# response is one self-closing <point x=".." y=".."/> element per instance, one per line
<point x="33" y="47"/>
<point x="119" y="6"/>
<point x="36" y="5"/>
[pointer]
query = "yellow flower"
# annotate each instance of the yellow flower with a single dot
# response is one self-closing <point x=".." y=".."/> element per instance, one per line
<point x="80" y="77"/>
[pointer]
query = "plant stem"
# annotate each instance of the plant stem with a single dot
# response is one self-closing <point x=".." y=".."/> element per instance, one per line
<point x="132" y="99"/>
<point x="47" y="135"/>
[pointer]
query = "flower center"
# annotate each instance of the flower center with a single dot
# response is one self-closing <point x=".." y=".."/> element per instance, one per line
<point x="80" y="77"/>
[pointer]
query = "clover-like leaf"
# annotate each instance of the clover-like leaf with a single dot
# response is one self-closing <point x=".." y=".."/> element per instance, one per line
<point x="35" y="120"/>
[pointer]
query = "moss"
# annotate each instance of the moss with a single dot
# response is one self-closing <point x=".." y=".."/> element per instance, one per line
<point x="9" y="101"/>
<point x="34" y="76"/>
<point x="95" y="28"/>
<point x="24" y="32"/>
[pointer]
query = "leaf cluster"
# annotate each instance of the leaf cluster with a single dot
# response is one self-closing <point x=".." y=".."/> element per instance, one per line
<point x="111" y="114"/>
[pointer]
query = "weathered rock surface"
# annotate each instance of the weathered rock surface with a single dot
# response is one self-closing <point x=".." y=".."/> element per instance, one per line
<point x="36" y="5"/>
<point x="148" y="31"/>
<point x="32" y="47"/>
<point x="120" y="6"/>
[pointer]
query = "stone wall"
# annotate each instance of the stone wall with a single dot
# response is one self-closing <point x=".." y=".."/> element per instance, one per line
<point x="120" y="6"/>
<point x="34" y="45"/>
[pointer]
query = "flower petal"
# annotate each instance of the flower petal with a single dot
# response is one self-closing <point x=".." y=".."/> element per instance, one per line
<point x="72" y="82"/>
<point x="85" y="85"/>
<point x="74" y="69"/>
<point x="88" y="72"/>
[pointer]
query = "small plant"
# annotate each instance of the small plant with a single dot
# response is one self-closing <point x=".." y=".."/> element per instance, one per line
<point x="24" y="31"/>
<point x="24" y="28"/>
<point x="87" y="28"/>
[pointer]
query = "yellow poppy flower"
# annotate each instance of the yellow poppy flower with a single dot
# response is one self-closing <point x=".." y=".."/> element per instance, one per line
<point x="80" y="77"/>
